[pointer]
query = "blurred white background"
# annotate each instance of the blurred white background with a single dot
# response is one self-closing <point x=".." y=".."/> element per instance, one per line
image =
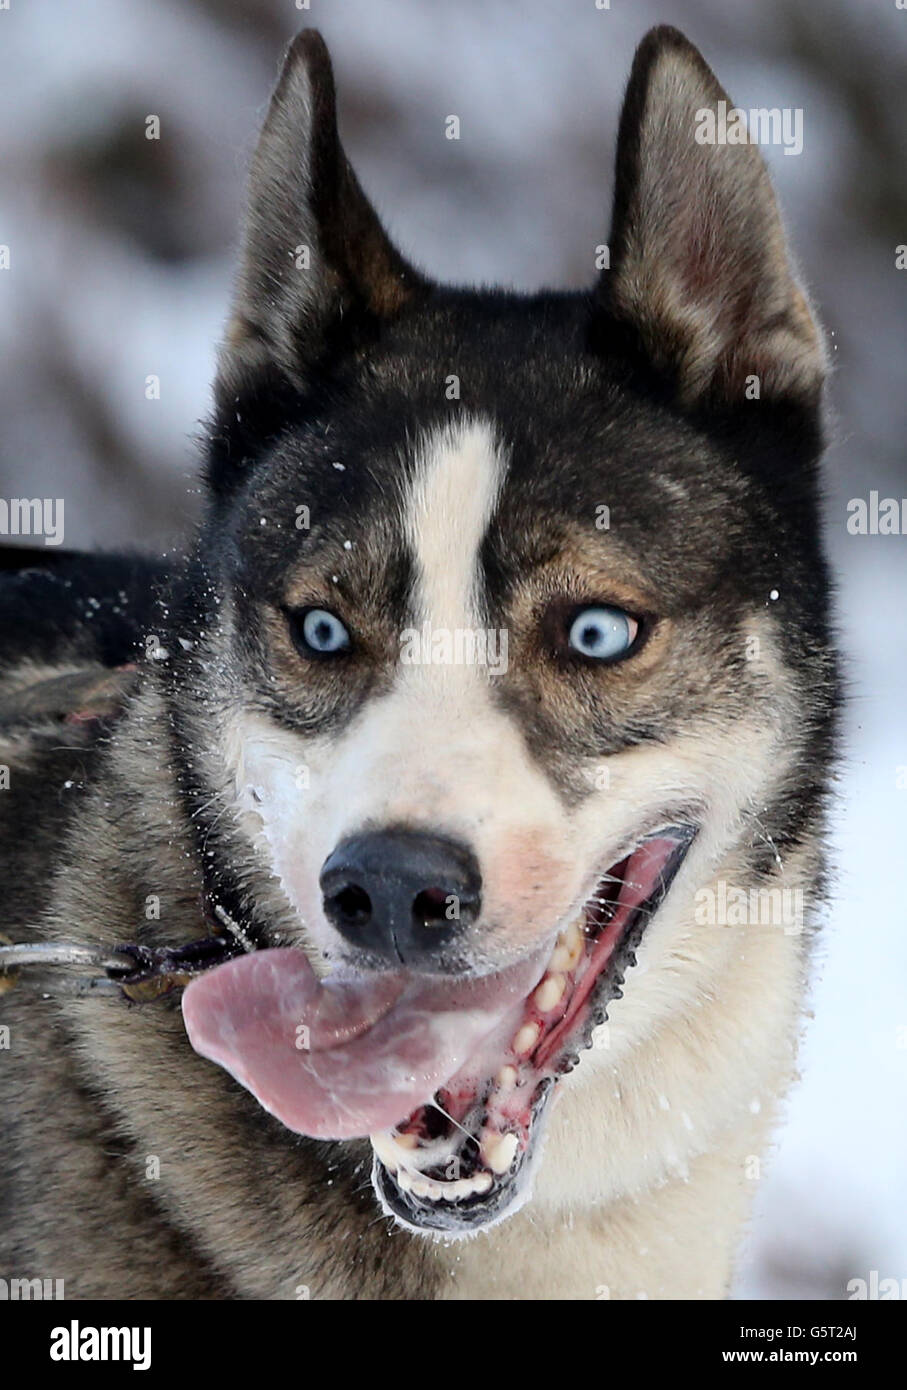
<point x="120" y="268"/>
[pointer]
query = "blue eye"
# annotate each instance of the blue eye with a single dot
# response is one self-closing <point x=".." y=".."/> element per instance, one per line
<point x="324" y="633"/>
<point x="601" y="634"/>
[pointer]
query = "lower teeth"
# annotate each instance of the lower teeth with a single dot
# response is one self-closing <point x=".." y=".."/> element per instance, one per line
<point x="443" y="1191"/>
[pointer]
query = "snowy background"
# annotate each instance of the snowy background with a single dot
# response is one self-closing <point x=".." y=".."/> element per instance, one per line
<point x="120" y="268"/>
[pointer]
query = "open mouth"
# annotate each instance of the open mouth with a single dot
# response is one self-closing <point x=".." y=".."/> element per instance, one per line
<point x="464" y="1161"/>
<point x="471" y="1063"/>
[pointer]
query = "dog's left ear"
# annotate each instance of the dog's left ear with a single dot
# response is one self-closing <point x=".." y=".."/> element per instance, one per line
<point x="315" y="257"/>
<point x="699" y="261"/>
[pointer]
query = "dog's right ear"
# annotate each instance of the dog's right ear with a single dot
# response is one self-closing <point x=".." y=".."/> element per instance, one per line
<point x="315" y="256"/>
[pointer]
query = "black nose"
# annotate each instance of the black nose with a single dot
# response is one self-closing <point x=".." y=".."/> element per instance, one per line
<point x="400" y="894"/>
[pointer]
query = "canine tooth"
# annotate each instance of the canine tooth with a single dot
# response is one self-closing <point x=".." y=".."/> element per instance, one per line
<point x="385" y="1148"/>
<point x="403" y="1180"/>
<point x="499" y="1151"/>
<point x="575" y="943"/>
<point x="569" y="950"/>
<point x="391" y="1148"/>
<point x="507" y="1077"/>
<point x="549" y="992"/>
<point x="526" y="1038"/>
<point x="481" y="1182"/>
<point x="560" y="958"/>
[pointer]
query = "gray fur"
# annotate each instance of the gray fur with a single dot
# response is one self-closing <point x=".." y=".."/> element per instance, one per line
<point x="131" y="1167"/>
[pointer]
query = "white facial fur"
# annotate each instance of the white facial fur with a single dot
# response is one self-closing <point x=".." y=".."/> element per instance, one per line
<point x="436" y="752"/>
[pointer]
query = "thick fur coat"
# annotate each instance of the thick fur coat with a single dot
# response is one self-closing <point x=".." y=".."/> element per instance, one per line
<point x="134" y="1168"/>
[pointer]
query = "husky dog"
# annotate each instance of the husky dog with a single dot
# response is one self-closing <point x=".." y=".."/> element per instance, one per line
<point x="469" y="776"/>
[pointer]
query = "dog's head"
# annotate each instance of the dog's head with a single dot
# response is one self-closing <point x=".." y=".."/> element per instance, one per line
<point x="509" y="622"/>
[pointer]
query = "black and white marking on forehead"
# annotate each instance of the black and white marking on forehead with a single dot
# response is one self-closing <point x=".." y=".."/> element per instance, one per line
<point x="455" y="487"/>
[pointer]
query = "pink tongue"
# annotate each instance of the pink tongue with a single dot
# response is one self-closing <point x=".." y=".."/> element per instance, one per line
<point x="344" y="1057"/>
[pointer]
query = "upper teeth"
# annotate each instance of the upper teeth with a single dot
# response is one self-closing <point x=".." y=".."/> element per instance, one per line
<point x="406" y="1156"/>
<point x="526" y="1038"/>
<point x="549" y="992"/>
<point x="568" y="951"/>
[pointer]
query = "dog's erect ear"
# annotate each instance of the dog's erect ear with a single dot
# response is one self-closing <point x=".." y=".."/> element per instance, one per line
<point x="699" y="262"/>
<point x="314" y="250"/>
